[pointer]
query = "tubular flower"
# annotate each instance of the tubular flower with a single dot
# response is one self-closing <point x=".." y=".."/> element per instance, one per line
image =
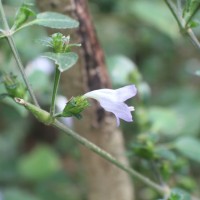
<point x="113" y="101"/>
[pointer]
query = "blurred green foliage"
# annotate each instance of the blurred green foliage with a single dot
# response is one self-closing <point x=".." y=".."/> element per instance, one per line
<point x="143" y="46"/>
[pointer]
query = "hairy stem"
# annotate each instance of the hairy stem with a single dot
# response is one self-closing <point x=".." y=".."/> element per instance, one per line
<point x="15" y="53"/>
<point x="55" y="89"/>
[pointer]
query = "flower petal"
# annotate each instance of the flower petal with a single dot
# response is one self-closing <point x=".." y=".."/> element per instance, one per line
<point x="126" y="92"/>
<point x="113" y="101"/>
<point x="118" y="95"/>
<point x="119" y="109"/>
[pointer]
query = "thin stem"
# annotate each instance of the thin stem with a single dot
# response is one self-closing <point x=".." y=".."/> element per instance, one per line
<point x="193" y="38"/>
<point x="4" y="20"/>
<point x="179" y="8"/>
<point x="157" y="172"/>
<point x="24" y="26"/>
<point x="174" y="13"/>
<point x="182" y="24"/>
<point x="55" y="89"/>
<point x="15" y="53"/>
<point x="45" y="118"/>
<point x="108" y="157"/>
<point x="21" y="69"/>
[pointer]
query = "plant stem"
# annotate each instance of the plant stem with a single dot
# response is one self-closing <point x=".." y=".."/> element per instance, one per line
<point x="45" y="118"/>
<point x="15" y="53"/>
<point x="182" y="24"/>
<point x="110" y="158"/>
<point x="174" y="13"/>
<point x="157" y="172"/>
<point x="55" y="89"/>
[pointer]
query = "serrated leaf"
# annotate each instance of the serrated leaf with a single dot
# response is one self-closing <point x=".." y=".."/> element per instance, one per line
<point x="55" y="20"/>
<point x="189" y="147"/>
<point x="63" y="60"/>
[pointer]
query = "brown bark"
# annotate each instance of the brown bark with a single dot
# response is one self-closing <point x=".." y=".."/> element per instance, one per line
<point x="105" y="181"/>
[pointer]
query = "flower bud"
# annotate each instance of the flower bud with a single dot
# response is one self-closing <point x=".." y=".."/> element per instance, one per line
<point x="22" y="15"/>
<point x="74" y="107"/>
<point x="14" y="87"/>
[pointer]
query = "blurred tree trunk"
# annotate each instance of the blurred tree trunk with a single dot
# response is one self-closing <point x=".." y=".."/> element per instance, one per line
<point x="105" y="181"/>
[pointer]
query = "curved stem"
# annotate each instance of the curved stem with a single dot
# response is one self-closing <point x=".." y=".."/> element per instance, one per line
<point x="55" y="89"/>
<point x="45" y="118"/>
<point x="21" y="69"/>
<point x="110" y="158"/>
<point x="15" y="53"/>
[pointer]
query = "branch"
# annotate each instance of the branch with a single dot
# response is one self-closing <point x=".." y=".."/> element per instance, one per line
<point x="45" y="117"/>
<point x="8" y="35"/>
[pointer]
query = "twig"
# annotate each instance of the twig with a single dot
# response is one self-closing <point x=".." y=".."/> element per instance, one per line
<point x="182" y="24"/>
<point x="8" y="35"/>
<point x="45" y="117"/>
<point x="55" y="89"/>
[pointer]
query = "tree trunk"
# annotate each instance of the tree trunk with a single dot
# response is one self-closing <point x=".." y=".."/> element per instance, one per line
<point x="105" y="181"/>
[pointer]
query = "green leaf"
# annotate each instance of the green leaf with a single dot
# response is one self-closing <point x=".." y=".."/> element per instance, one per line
<point x="63" y="60"/>
<point x="189" y="147"/>
<point x="193" y="24"/>
<point x="41" y="163"/>
<point x="55" y="20"/>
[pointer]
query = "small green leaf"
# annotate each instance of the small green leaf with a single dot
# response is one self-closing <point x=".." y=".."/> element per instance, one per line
<point x="23" y="14"/>
<point x="189" y="147"/>
<point x="55" y="20"/>
<point x="193" y="24"/>
<point x="63" y="60"/>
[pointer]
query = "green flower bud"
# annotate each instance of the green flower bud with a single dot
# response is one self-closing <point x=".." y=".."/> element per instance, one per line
<point x="22" y="15"/>
<point x="14" y="87"/>
<point x="74" y="107"/>
<point x="59" y="43"/>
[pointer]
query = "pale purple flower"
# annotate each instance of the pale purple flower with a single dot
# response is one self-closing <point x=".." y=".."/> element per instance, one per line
<point x="113" y="101"/>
